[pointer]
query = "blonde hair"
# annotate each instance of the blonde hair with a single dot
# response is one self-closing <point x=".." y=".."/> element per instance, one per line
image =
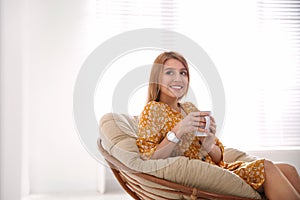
<point x="157" y="70"/>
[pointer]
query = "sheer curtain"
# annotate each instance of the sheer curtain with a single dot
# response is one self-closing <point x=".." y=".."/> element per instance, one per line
<point x="255" y="47"/>
<point x="279" y="100"/>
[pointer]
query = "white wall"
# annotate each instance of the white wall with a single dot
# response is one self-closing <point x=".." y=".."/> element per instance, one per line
<point x="43" y="44"/>
<point x="10" y="99"/>
<point x="57" y="45"/>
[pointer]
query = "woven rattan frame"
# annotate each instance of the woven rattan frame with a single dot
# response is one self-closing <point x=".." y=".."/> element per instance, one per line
<point x="121" y="173"/>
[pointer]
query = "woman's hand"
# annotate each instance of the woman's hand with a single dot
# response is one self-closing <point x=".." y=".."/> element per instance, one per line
<point x="190" y="123"/>
<point x="208" y="142"/>
<point x="213" y="126"/>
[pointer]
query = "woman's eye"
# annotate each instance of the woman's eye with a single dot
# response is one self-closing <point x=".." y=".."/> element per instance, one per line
<point x="184" y="73"/>
<point x="169" y="73"/>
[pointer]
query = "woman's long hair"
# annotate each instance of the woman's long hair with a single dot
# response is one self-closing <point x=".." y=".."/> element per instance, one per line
<point x="157" y="70"/>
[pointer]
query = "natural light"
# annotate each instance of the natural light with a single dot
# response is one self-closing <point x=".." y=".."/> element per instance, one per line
<point x="254" y="58"/>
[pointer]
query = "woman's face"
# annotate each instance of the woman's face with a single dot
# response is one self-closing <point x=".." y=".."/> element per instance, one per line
<point x="174" y="80"/>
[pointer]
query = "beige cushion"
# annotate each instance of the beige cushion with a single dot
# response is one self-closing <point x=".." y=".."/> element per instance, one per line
<point x="118" y="135"/>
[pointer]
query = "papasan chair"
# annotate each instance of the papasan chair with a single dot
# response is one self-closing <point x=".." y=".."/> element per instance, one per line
<point x="171" y="178"/>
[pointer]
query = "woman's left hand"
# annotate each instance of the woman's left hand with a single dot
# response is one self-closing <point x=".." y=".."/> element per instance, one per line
<point x="208" y="141"/>
<point x="213" y="126"/>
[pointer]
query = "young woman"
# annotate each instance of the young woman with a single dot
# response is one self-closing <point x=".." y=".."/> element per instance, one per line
<point x="167" y="127"/>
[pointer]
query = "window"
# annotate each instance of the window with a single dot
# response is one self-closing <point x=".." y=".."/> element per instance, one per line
<point x="255" y="47"/>
<point x="279" y="97"/>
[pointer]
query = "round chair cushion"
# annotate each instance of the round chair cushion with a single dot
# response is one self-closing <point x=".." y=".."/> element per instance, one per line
<point x="118" y="136"/>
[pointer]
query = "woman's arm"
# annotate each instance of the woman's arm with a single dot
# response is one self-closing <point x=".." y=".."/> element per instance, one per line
<point x="188" y="124"/>
<point x="149" y="127"/>
<point x="212" y="145"/>
<point x="216" y="154"/>
<point x="164" y="149"/>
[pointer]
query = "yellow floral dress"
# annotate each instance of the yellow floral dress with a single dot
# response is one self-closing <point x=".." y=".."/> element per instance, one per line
<point x="158" y="118"/>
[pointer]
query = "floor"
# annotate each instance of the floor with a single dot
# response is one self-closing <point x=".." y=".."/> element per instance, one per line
<point x="78" y="196"/>
<point x="113" y="191"/>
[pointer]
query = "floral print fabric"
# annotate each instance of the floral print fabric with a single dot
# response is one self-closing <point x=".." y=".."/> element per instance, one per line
<point x="158" y="118"/>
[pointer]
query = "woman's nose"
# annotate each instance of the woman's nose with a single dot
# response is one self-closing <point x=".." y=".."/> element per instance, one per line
<point x="177" y="77"/>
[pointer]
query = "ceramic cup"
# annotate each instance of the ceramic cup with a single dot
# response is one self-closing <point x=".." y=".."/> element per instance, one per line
<point x="207" y="124"/>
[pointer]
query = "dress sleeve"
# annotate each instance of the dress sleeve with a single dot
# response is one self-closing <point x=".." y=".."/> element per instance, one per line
<point x="151" y="122"/>
<point x="189" y="107"/>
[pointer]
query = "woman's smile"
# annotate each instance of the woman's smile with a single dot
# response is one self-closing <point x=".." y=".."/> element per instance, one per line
<point x="177" y="90"/>
<point x="176" y="87"/>
<point x="174" y="80"/>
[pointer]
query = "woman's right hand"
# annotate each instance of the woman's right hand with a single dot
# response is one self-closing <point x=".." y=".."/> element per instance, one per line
<point x="190" y="123"/>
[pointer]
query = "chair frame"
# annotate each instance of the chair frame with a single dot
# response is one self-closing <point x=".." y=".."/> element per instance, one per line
<point x="120" y="170"/>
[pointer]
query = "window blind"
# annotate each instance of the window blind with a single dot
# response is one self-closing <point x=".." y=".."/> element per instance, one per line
<point x="279" y="101"/>
<point x="278" y="104"/>
<point x="113" y="17"/>
<point x="117" y="16"/>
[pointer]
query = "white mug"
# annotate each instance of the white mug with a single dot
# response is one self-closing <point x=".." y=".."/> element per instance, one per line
<point x="207" y="124"/>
